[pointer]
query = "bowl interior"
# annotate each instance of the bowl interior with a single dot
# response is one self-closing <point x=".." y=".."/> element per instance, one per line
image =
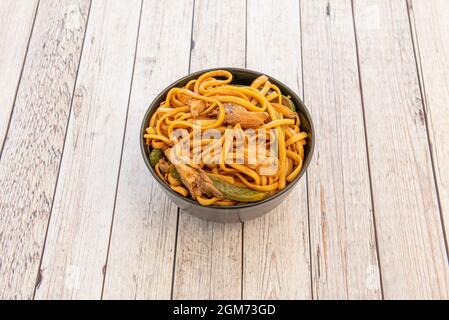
<point x="244" y="77"/>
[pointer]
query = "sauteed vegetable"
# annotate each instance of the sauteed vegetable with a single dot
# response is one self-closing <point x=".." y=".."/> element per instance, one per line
<point x="223" y="144"/>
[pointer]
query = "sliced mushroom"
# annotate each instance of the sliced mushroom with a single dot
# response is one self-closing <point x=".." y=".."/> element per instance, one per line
<point x="164" y="166"/>
<point x="206" y="185"/>
<point x="196" y="181"/>
<point x="189" y="176"/>
<point x="196" y="107"/>
<point x="235" y="113"/>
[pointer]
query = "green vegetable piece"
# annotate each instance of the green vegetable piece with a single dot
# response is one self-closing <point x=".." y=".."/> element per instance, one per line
<point x="155" y="156"/>
<point x="174" y="173"/>
<point x="286" y="101"/>
<point x="237" y="193"/>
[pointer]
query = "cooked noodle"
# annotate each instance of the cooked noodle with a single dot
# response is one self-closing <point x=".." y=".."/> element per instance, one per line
<point x="212" y="102"/>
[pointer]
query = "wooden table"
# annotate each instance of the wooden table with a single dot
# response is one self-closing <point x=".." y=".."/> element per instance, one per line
<point x="81" y="217"/>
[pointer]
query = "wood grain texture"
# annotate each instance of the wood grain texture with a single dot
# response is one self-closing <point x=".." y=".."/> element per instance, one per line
<point x="14" y="40"/>
<point x="32" y="151"/>
<point x="430" y="24"/>
<point x="113" y="233"/>
<point x="209" y="255"/>
<point x="276" y="247"/>
<point x="78" y="233"/>
<point x="343" y="244"/>
<point x="141" y="256"/>
<point x="411" y="245"/>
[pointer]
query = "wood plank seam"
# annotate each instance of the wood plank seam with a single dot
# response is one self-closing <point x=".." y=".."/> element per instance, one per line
<point x="342" y="241"/>
<point x="424" y="102"/>
<point x="414" y="255"/>
<point x="20" y="79"/>
<point x="426" y="118"/>
<point x="273" y="269"/>
<point x="73" y="264"/>
<point x="180" y="224"/>
<point x="141" y="251"/>
<point x="38" y="276"/>
<point x="367" y="150"/>
<point x="29" y="167"/>
<point x="175" y="251"/>
<point x="312" y="294"/>
<point x="196" y="259"/>
<point x="192" y="44"/>
<point x="121" y="153"/>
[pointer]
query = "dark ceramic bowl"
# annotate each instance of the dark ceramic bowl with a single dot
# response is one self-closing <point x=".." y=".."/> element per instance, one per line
<point x="241" y="212"/>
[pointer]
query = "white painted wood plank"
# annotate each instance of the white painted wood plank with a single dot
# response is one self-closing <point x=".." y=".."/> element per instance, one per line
<point x="276" y="246"/>
<point x="218" y="34"/>
<point x="344" y="258"/>
<point x="141" y="255"/>
<point x="411" y="246"/>
<point x="78" y="233"/>
<point x="208" y="260"/>
<point x="14" y="40"/>
<point x="430" y="25"/>
<point x="32" y="151"/>
<point x="209" y="255"/>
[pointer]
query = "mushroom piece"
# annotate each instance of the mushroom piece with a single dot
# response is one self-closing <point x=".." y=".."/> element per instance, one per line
<point x="206" y="185"/>
<point x="196" y="107"/>
<point x="164" y="166"/>
<point x="196" y="181"/>
<point x="235" y="113"/>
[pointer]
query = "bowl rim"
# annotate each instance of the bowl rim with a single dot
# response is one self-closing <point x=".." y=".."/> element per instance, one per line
<point x="305" y="112"/>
